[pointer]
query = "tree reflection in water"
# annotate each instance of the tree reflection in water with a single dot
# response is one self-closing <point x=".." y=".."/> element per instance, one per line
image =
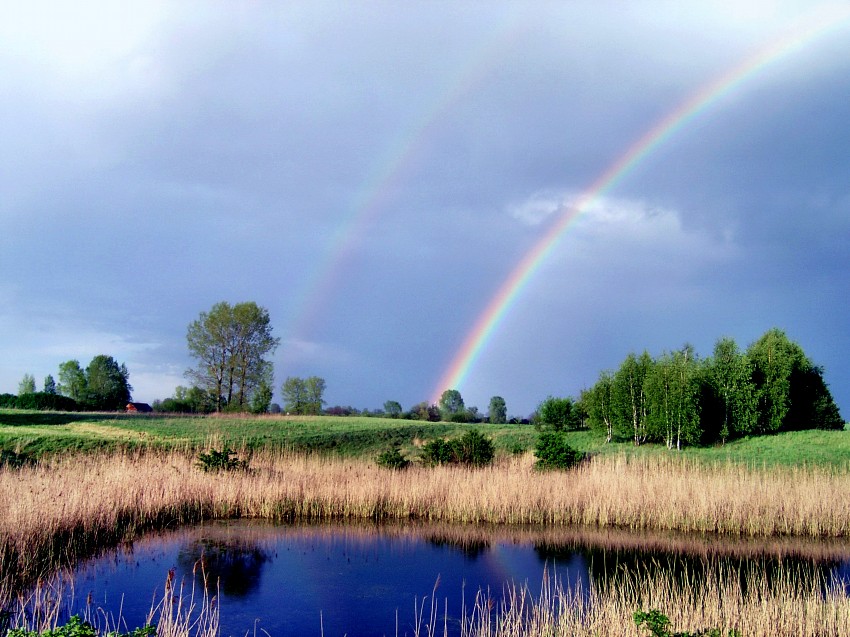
<point x="232" y="566"/>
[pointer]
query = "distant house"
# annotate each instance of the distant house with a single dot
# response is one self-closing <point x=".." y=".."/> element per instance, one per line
<point x="139" y="408"/>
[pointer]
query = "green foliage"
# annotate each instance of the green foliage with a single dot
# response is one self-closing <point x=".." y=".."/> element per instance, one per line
<point x="107" y="384"/>
<point x="14" y="460"/>
<point x="72" y="380"/>
<point x="671" y="389"/>
<point x="628" y="397"/>
<point x="76" y="627"/>
<point x="230" y="344"/>
<point x="261" y="398"/>
<point x="451" y="404"/>
<point x="498" y="411"/>
<point x="658" y="625"/>
<point x="472" y="449"/>
<point x="392" y="409"/>
<point x="677" y="399"/>
<point x="224" y="460"/>
<point x="49" y="385"/>
<point x="598" y="402"/>
<point x="553" y="452"/>
<point x="392" y="458"/>
<point x="558" y="414"/>
<point x="27" y="385"/>
<point x="424" y="411"/>
<point x="43" y="401"/>
<point x="303" y="396"/>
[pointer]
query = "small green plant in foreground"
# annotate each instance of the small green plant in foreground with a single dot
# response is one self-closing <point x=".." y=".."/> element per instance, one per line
<point x="553" y="452"/>
<point x="76" y="627"/>
<point x="658" y="625"/>
<point x="223" y="460"/>
<point x="392" y="458"/>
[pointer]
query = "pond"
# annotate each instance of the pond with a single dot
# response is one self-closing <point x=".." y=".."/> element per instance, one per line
<point x="369" y="580"/>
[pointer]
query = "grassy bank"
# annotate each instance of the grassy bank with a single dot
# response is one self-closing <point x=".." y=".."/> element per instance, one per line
<point x="49" y="433"/>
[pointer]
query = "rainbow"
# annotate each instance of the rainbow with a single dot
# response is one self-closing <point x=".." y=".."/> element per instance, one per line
<point x="684" y="113"/>
<point x="390" y="170"/>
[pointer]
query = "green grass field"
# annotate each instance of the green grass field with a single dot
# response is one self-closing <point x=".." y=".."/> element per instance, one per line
<point x="39" y="433"/>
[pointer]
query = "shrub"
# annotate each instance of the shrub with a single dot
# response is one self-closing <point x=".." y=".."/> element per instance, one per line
<point x="76" y="627"/>
<point x="658" y="625"/>
<point x="43" y="401"/>
<point x="553" y="452"/>
<point x="14" y="460"/>
<point x="392" y="458"/>
<point x="437" y="451"/>
<point x="223" y="460"/>
<point x="473" y="448"/>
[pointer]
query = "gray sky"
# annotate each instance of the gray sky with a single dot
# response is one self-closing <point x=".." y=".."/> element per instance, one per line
<point x="371" y="173"/>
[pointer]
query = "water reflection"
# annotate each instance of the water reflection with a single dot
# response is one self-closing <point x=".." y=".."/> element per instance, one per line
<point x="362" y="579"/>
<point x="233" y="566"/>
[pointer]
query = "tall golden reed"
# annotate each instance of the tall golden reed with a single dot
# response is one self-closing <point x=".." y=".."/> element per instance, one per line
<point x="64" y="508"/>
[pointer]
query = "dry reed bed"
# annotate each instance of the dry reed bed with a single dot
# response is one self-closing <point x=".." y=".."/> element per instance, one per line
<point x="789" y="606"/>
<point x="69" y="505"/>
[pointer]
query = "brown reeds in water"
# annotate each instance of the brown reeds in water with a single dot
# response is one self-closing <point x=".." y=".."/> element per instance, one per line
<point x="749" y="602"/>
<point x="54" y="513"/>
<point x="66" y="507"/>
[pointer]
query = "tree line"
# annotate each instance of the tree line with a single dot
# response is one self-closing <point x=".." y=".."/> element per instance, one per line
<point x="103" y="385"/>
<point x="677" y="398"/>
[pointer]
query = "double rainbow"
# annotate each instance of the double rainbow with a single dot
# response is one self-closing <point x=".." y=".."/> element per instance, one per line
<point x="691" y="108"/>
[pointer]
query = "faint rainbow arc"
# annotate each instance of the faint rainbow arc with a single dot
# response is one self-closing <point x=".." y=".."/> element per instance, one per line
<point x="392" y="168"/>
<point x="689" y="109"/>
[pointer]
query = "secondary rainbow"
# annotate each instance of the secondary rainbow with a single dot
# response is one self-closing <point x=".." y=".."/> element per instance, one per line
<point x="391" y="170"/>
<point x="684" y="113"/>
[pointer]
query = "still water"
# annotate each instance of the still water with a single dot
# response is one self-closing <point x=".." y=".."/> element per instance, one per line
<point x="368" y="580"/>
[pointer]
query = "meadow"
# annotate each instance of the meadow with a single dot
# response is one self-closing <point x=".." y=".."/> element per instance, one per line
<point x="103" y="479"/>
<point x="49" y="433"/>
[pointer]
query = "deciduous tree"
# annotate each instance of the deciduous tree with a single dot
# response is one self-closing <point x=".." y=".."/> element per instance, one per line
<point x="451" y="404"/>
<point x="393" y="409"/>
<point x="107" y="383"/>
<point x="557" y="413"/>
<point x="498" y="410"/>
<point x="230" y="344"/>
<point x="628" y="395"/>
<point x="27" y="385"/>
<point x="72" y="380"/>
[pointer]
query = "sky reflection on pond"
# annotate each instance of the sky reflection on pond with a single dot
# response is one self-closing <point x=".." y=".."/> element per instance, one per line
<point x="360" y="580"/>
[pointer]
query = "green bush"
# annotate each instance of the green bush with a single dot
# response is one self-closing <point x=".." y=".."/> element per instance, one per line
<point x="43" y="401"/>
<point x="392" y="458"/>
<point x="76" y="627"/>
<point x="473" y="449"/>
<point x="223" y="460"/>
<point x="658" y="625"/>
<point x="14" y="460"/>
<point x="437" y="451"/>
<point x="553" y="452"/>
